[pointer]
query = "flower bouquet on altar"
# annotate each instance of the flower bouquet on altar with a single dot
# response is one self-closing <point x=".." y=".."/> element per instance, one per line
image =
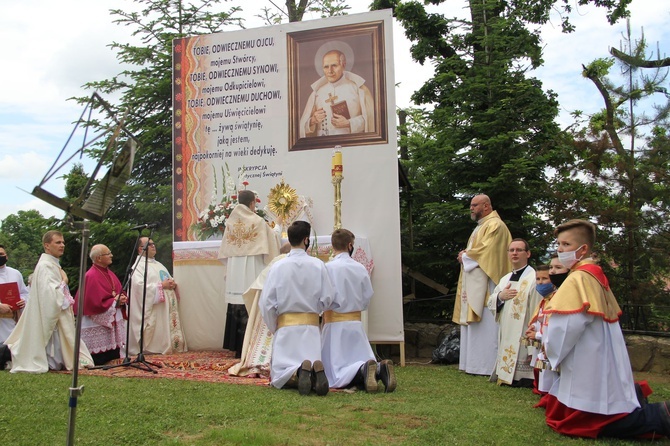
<point x="212" y="220"/>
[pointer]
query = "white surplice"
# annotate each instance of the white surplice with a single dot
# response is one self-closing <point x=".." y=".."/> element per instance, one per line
<point x="595" y="372"/>
<point x="344" y="345"/>
<point x="513" y="360"/>
<point x="162" y="326"/>
<point x="298" y="283"/>
<point x="45" y="334"/>
<point x="8" y="275"/>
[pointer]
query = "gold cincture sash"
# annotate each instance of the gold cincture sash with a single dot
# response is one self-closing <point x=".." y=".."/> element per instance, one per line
<point x="289" y="319"/>
<point x="330" y="316"/>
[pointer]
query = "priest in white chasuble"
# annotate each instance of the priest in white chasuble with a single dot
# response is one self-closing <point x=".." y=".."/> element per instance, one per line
<point x="162" y="333"/>
<point x="513" y="303"/>
<point x="483" y="263"/>
<point x="248" y="245"/>
<point x="44" y="337"/>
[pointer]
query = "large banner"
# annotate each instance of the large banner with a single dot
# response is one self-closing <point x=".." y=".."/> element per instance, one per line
<point x="263" y="109"/>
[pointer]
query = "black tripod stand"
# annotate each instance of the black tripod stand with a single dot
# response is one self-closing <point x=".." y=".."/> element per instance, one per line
<point x="139" y="362"/>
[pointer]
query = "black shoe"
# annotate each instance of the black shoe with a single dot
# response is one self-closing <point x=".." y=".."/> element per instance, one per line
<point x="387" y="375"/>
<point x="5" y="356"/>
<point x="319" y="378"/>
<point x="370" y="376"/>
<point x="305" y="377"/>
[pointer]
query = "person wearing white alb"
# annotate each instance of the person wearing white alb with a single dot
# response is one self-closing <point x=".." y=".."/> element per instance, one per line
<point x="296" y="291"/>
<point x="345" y="349"/>
<point x="7" y="318"/>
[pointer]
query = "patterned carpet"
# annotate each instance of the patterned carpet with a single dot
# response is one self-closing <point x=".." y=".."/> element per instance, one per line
<point x="209" y="366"/>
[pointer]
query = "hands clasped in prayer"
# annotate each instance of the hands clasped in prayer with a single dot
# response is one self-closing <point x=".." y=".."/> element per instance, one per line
<point x="169" y="284"/>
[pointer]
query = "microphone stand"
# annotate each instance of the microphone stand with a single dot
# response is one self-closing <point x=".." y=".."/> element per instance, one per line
<point x="139" y="362"/>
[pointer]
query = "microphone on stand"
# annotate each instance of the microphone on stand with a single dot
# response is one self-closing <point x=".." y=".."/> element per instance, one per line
<point x="145" y="226"/>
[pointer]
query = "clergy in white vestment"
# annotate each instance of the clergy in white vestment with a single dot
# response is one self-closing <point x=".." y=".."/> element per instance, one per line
<point x="257" y="346"/>
<point x="538" y="323"/>
<point x="296" y="291"/>
<point x="163" y="333"/>
<point x="513" y="303"/>
<point x="7" y="316"/>
<point x="340" y="102"/>
<point x="483" y="263"/>
<point x="44" y="337"/>
<point x="345" y="349"/>
<point x="10" y="275"/>
<point x="594" y="395"/>
<point x="248" y="245"/>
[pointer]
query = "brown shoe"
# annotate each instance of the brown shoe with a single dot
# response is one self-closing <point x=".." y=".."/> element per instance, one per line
<point x="370" y="376"/>
<point x="319" y="378"/>
<point x="387" y="375"/>
<point x="305" y="377"/>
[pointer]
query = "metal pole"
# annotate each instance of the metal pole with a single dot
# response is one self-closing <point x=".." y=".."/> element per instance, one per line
<point x="75" y="391"/>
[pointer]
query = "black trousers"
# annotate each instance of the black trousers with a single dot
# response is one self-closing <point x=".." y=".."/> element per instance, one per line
<point x="645" y="420"/>
<point x="236" y="325"/>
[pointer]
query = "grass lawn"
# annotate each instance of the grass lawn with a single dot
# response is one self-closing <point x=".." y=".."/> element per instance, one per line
<point x="432" y="405"/>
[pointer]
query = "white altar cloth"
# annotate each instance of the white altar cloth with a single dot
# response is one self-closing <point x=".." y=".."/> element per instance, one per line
<point x="200" y="277"/>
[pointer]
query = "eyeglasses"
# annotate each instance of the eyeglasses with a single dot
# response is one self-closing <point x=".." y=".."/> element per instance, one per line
<point x="150" y="244"/>
<point x="108" y="254"/>
<point x="516" y="250"/>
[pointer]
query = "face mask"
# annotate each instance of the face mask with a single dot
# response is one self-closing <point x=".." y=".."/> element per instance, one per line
<point x="558" y="279"/>
<point x="3" y="260"/>
<point x="569" y="258"/>
<point x="307" y="245"/>
<point x="351" y="251"/>
<point x="545" y="288"/>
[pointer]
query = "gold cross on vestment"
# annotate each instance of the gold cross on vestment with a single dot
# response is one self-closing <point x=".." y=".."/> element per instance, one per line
<point x="331" y="98"/>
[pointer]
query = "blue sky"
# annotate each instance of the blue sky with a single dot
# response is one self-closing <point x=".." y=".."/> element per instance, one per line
<point x="52" y="48"/>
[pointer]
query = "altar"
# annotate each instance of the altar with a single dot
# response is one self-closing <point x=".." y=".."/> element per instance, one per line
<point x="201" y="280"/>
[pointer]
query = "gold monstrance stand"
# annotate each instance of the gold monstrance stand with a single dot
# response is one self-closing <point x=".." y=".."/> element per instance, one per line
<point x="283" y="202"/>
<point x="337" y="177"/>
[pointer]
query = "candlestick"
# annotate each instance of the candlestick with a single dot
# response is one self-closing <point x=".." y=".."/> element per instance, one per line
<point x="336" y="173"/>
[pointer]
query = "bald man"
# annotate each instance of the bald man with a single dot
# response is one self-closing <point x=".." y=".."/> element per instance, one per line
<point x="103" y="328"/>
<point x="483" y="262"/>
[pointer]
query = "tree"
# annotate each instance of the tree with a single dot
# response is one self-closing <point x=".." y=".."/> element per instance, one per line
<point x="489" y="127"/>
<point x="144" y="89"/>
<point x="622" y="157"/>
<point x="22" y="237"/>
<point x="295" y="11"/>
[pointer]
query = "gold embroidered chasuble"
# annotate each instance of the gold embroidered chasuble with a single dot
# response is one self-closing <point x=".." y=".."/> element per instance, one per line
<point x="513" y="361"/>
<point x="247" y="234"/>
<point x="487" y="246"/>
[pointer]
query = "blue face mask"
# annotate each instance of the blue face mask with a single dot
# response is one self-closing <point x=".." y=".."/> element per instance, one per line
<point x="545" y="288"/>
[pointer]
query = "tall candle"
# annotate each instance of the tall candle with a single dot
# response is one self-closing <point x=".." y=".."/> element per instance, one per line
<point x="337" y="162"/>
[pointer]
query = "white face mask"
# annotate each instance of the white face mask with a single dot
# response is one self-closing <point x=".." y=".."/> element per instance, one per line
<point x="569" y="258"/>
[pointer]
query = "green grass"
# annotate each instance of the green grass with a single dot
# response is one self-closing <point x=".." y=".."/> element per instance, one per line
<point x="432" y="405"/>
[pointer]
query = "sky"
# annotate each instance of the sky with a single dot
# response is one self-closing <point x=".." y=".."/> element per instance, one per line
<point x="51" y="48"/>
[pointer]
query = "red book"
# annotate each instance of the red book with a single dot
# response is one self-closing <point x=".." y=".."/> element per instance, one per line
<point x="9" y="294"/>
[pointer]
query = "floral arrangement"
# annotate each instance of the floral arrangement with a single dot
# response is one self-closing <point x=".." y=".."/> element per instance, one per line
<point x="212" y="220"/>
